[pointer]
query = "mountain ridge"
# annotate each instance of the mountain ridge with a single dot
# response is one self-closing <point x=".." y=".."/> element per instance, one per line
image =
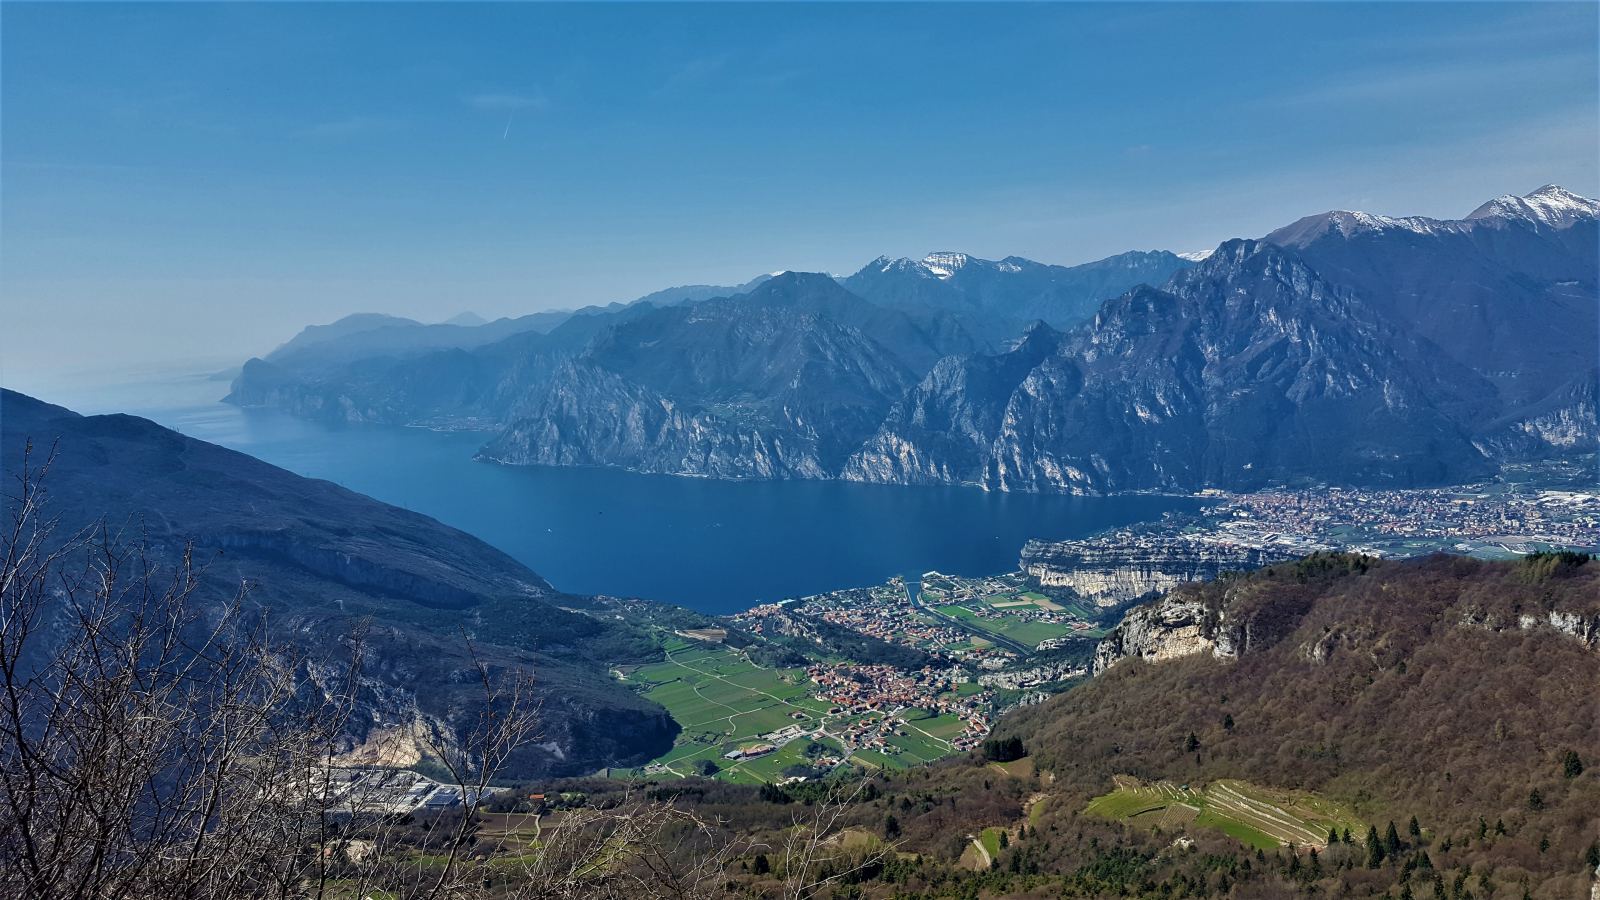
<point x="322" y="559"/>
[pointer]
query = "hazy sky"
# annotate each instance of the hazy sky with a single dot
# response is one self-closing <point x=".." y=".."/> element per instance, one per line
<point x="195" y="183"/>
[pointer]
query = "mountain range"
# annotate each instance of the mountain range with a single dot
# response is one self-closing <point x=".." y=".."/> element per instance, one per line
<point x="1343" y="348"/>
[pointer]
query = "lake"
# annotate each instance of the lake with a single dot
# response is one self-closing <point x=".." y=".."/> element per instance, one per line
<point x="714" y="546"/>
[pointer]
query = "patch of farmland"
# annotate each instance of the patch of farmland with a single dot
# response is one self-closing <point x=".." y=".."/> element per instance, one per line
<point x="1258" y="816"/>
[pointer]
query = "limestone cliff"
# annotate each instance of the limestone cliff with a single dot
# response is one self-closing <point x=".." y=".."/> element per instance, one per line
<point x="1126" y="566"/>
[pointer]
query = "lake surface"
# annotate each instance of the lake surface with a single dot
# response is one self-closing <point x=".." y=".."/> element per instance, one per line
<point x="714" y="546"/>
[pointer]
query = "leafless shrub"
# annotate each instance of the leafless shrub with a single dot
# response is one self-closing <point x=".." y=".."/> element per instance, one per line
<point x="156" y="745"/>
<point x="816" y="855"/>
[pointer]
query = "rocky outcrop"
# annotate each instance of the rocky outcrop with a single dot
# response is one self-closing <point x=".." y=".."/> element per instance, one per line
<point x="1172" y="627"/>
<point x="1249" y="613"/>
<point x="1126" y="566"/>
<point x="1033" y="676"/>
<point x="1580" y="626"/>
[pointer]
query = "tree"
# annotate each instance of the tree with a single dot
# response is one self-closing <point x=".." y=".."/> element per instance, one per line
<point x="891" y="827"/>
<point x="157" y="741"/>
<point x="1333" y="836"/>
<point x="1227" y="722"/>
<point x="1414" y="828"/>
<point x="1391" y="839"/>
<point x="1535" y="800"/>
<point x="813" y="858"/>
<point x="1374" y="848"/>
<point x="1004" y="749"/>
<point x="1571" y="764"/>
<point x="760" y="865"/>
<point x="1192" y="743"/>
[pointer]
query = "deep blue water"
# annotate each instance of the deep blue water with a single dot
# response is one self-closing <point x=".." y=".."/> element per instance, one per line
<point x="714" y="546"/>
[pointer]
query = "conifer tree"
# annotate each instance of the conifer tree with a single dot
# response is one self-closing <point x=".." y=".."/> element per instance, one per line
<point x="1414" y="829"/>
<point x="1571" y="765"/>
<point x="1374" y="848"/>
<point x="1391" y="839"/>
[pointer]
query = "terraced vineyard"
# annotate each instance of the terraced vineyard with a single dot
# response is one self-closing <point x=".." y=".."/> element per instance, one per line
<point x="1258" y="816"/>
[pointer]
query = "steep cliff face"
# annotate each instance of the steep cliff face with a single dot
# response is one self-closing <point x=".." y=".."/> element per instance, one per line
<point x="592" y="417"/>
<point x="942" y="432"/>
<point x="1169" y="628"/>
<point x="1293" y="603"/>
<point x="1246" y="370"/>
<point x="1566" y="421"/>
<point x="774" y="384"/>
<point x="1509" y="291"/>
<point x="1129" y="566"/>
<point x="1345" y="348"/>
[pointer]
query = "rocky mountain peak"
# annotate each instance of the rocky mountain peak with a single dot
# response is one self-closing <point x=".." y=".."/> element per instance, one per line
<point x="1552" y="206"/>
<point x="945" y="263"/>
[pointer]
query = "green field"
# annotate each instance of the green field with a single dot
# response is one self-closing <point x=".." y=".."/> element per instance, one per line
<point x="1013" y="627"/>
<point x="722" y="700"/>
<point x="943" y="727"/>
<point x="1258" y="816"/>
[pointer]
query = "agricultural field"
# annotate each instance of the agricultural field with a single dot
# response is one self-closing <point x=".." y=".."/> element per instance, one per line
<point x="723" y="700"/>
<point x="1008" y="622"/>
<point x="1004" y="605"/>
<point x="1258" y="816"/>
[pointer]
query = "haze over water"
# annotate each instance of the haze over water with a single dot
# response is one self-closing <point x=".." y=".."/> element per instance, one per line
<point x="714" y="546"/>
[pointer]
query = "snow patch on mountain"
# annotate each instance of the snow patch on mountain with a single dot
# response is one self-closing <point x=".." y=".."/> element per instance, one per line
<point x="944" y="264"/>
<point x="1552" y="206"/>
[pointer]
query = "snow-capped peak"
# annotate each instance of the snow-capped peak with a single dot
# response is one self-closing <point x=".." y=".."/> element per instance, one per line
<point x="1551" y="205"/>
<point x="1197" y="255"/>
<point x="944" y="264"/>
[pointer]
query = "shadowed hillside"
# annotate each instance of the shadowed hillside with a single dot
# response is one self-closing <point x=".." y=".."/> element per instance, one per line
<point x="322" y="558"/>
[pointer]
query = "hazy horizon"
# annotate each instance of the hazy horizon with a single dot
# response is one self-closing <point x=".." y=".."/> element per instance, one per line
<point x="188" y="186"/>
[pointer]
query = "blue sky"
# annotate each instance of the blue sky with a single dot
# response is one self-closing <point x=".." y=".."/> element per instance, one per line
<point x="195" y="183"/>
